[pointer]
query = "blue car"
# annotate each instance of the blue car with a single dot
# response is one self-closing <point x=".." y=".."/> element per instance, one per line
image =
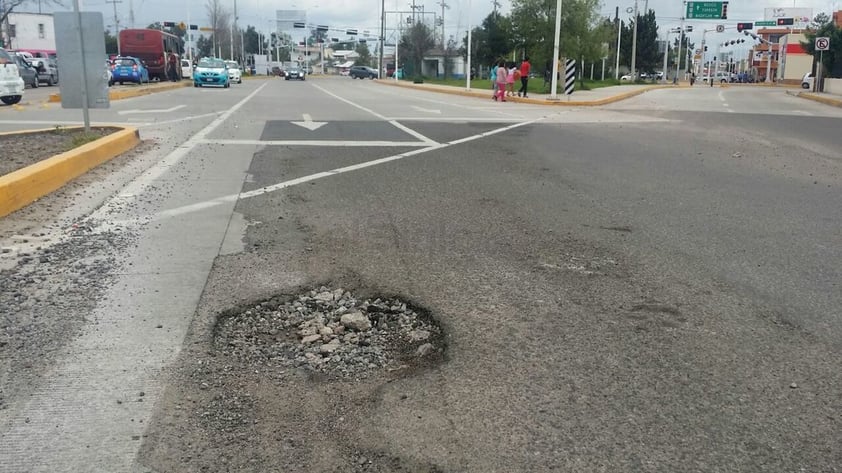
<point x="128" y="69"/>
<point x="211" y="71"/>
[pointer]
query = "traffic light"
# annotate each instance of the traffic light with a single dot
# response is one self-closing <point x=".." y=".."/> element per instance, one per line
<point x="322" y="28"/>
<point x="706" y="49"/>
<point x="169" y="24"/>
<point x="688" y="28"/>
<point x="785" y="21"/>
<point x="194" y="27"/>
<point x="724" y="11"/>
<point x="351" y="32"/>
<point x="745" y="26"/>
<point x="299" y="24"/>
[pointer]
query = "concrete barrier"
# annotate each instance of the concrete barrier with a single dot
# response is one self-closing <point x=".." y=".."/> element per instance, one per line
<point x="833" y="86"/>
<point x="24" y="186"/>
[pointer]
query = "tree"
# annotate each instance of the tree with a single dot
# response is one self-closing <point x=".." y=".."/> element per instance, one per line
<point x="490" y="40"/>
<point x="9" y="6"/>
<point x="204" y="46"/>
<point x="583" y="33"/>
<point x="648" y="56"/>
<point x="832" y="59"/>
<point x="110" y="43"/>
<point x="251" y="40"/>
<point x="414" y="44"/>
<point x="219" y="19"/>
<point x="365" y="55"/>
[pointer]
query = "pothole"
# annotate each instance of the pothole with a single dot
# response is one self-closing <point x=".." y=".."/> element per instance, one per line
<point x="330" y="331"/>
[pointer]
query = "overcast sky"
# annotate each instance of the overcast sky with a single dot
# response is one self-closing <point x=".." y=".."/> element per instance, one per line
<point x="365" y="14"/>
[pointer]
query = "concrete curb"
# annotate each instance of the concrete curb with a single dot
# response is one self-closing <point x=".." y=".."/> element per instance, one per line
<point x="136" y="92"/>
<point x="817" y="98"/>
<point x="24" y="186"/>
<point x="561" y="102"/>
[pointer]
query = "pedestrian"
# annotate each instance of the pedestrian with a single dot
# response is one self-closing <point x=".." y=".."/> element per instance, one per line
<point x="517" y="78"/>
<point x="172" y="61"/>
<point x="525" y="68"/>
<point x="501" y="82"/>
<point x="494" y="81"/>
<point x="510" y="79"/>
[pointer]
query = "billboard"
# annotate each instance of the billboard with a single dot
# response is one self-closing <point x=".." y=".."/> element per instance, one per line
<point x="801" y="16"/>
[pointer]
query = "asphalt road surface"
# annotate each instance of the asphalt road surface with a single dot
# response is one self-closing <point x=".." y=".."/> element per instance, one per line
<point x="647" y="286"/>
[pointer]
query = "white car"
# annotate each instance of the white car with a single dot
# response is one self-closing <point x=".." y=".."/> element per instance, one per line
<point x="234" y="72"/>
<point x="186" y="69"/>
<point x="807" y="81"/>
<point x="11" y="83"/>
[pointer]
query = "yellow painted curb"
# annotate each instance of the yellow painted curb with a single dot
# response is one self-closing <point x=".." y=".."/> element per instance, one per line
<point x="24" y="186"/>
<point x="136" y="92"/>
<point x="560" y="102"/>
<point x="820" y="99"/>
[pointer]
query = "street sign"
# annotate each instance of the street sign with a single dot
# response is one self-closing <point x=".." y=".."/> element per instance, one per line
<point x="765" y="23"/>
<point x="205" y="28"/>
<point x="822" y="44"/>
<point x="720" y="28"/>
<point x="707" y="10"/>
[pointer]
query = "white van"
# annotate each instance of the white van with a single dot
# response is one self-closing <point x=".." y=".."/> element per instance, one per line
<point x="11" y="83"/>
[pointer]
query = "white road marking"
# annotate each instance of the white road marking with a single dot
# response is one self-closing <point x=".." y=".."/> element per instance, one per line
<point x="426" y="110"/>
<point x="165" y="110"/>
<point x="309" y="124"/>
<point x="321" y="175"/>
<point x="394" y="123"/>
<point x="146" y="179"/>
<point x="182" y="119"/>
<point x="314" y="143"/>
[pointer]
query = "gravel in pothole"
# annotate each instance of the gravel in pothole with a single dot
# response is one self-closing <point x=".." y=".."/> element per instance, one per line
<point x="331" y="332"/>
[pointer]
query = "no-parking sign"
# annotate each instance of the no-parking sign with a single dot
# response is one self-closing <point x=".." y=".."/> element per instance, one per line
<point x="822" y="44"/>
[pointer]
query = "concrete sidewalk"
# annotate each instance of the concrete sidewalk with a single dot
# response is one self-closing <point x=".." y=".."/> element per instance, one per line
<point x="827" y="99"/>
<point x="579" y="98"/>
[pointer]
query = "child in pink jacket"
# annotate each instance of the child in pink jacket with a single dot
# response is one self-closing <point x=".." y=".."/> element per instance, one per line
<point x="501" y="82"/>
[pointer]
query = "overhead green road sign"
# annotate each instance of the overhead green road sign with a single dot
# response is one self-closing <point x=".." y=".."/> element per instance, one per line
<point x="765" y="23"/>
<point x="707" y="10"/>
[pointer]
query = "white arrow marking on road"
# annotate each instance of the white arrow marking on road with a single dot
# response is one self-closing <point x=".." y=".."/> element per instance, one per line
<point x="309" y="124"/>
<point x="427" y="110"/>
<point x="166" y="110"/>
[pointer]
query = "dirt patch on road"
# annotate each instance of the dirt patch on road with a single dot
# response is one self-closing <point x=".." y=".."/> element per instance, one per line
<point x="24" y="149"/>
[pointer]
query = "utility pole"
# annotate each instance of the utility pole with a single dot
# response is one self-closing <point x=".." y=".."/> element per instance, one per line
<point x="443" y="40"/>
<point x="131" y="14"/>
<point x="116" y="22"/>
<point x="495" y="4"/>
<point x="383" y="38"/>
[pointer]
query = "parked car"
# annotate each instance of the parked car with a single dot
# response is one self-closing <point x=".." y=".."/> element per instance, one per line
<point x="722" y="77"/>
<point x="211" y="71"/>
<point x="186" y="69"/>
<point x="362" y="72"/>
<point x="129" y="69"/>
<point x="27" y="72"/>
<point x="234" y="72"/>
<point x="11" y="83"/>
<point x="46" y="67"/>
<point x="294" y="73"/>
<point x="807" y="81"/>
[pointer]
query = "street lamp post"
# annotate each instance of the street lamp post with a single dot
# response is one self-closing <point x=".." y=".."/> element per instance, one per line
<point x="634" y="43"/>
<point x="619" y="37"/>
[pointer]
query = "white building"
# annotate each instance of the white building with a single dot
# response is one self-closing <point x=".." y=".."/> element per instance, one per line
<point x="29" y="31"/>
